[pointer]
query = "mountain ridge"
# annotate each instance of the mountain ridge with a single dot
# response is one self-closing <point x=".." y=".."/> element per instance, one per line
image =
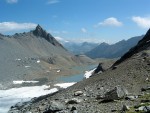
<point x="115" y="50"/>
<point x="21" y="52"/>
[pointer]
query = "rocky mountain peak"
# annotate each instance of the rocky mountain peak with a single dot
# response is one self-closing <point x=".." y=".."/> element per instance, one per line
<point x="39" y="31"/>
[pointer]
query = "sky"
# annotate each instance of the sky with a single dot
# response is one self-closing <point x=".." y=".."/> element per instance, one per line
<point x="77" y="20"/>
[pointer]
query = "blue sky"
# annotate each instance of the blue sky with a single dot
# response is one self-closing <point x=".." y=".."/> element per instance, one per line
<point x="77" y="20"/>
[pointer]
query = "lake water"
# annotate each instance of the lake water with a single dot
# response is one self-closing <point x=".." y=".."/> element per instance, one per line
<point x="12" y="96"/>
<point x="77" y="77"/>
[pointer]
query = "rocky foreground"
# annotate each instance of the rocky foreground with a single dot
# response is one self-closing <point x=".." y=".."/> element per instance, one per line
<point x="123" y="88"/>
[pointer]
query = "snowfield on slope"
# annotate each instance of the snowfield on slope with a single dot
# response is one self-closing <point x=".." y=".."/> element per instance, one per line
<point x="12" y="96"/>
<point x="22" y="81"/>
<point x="65" y="85"/>
<point x="89" y="73"/>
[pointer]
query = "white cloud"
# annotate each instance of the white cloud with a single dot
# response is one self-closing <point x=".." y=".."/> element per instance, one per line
<point x="110" y="22"/>
<point x="13" y="26"/>
<point x="12" y="1"/>
<point x="83" y="30"/>
<point x="61" y="39"/>
<point x="53" y="1"/>
<point x="143" y="22"/>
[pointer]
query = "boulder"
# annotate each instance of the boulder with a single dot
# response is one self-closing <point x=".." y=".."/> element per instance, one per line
<point x="99" y="69"/>
<point x="78" y="93"/>
<point x="131" y="97"/>
<point x="74" y="101"/>
<point x="145" y="88"/>
<point x="146" y="109"/>
<point x="117" y="93"/>
<point x="55" y="106"/>
<point x="125" y="108"/>
<point x="74" y="111"/>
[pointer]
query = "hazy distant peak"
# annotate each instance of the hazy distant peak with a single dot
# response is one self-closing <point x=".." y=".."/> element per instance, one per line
<point x="104" y="44"/>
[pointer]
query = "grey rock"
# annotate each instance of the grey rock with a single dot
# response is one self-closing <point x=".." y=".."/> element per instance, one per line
<point x="74" y="111"/>
<point x="78" y="93"/>
<point x="63" y="111"/>
<point x="131" y="97"/>
<point x="144" y="101"/>
<point x="125" y="108"/>
<point x="99" y="69"/>
<point x="74" y="101"/>
<point x="115" y="94"/>
<point x="147" y="109"/>
<point x="145" y="88"/>
<point x="56" y="106"/>
<point x="99" y="97"/>
<point x="73" y="108"/>
<point x="144" y="108"/>
<point x="141" y="108"/>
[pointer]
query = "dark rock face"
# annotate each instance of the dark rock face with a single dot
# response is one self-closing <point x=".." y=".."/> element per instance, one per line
<point x="143" y="44"/>
<point x="99" y="69"/>
<point x="78" y="93"/>
<point x="42" y="33"/>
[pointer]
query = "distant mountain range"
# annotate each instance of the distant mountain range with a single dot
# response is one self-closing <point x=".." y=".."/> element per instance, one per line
<point x="79" y="48"/>
<point x="105" y="50"/>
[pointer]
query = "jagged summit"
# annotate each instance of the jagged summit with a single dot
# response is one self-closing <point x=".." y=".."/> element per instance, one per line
<point x="143" y="44"/>
<point x="40" y="32"/>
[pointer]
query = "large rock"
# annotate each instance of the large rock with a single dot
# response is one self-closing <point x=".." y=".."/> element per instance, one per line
<point x="78" y="93"/>
<point x="117" y="93"/>
<point x="74" y="101"/>
<point x="99" y="69"/>
<point x="55" y="106"/>
<point x="146" y="109"/>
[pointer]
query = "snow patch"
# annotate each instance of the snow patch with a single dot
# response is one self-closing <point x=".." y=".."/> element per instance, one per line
<point x="12" y="96"/>
<point x="27" y="66"/>
<point x="65" y="85"/>
<point x="58" y="71"/>
<point x="38" y="61"/>
<point x="89" y="73"/>
<point x="18" y="59"/>
<point x="22" y="81"/>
